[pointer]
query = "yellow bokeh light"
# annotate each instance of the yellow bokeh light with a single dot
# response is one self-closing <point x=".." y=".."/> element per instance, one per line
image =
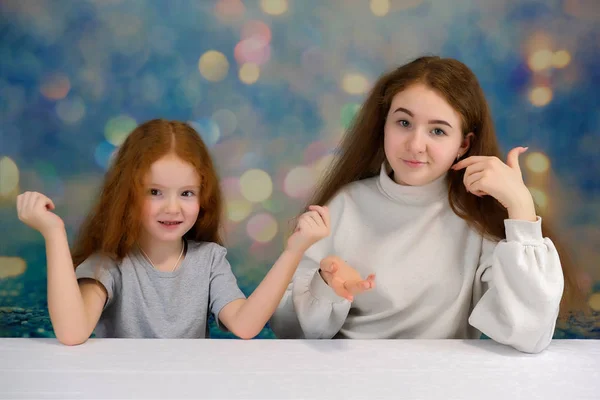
<point x="262" y="227"/>
<point x="9" y="176"/>
<point x="238" y="210"/>
<point x="537" y="162"/>
<point x="539" y="197"/>
<point x="540" y="60"/>
<point x="380" y="7"/>
<point x="355" y="83"/>
<point x="299" y="181"/>
<point x="256" y="185"/>
<point x="213" y="66"/>
<point x="118" y="128"/>
<point x="249" y="73"/>
<point x="540" y="96"/>
<point x="11" y="267"/>
<point x="561" y="59"/>
<point x="274" y="7"/>
<point x="594" y="301"/>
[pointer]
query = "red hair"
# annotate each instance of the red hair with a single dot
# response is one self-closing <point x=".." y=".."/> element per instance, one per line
<point x="113" y="226"/>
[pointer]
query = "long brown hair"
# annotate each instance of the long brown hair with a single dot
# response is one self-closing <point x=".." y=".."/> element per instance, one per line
<point x="113" y="226"/>
<point x="361" y="152"/>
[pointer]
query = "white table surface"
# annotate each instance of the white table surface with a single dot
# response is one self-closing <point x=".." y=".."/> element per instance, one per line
<point x="296" y="369"/>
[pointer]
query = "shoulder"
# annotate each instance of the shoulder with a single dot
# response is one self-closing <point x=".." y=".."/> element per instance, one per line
<point x="98" y="261"/>
<point x="101" y="268"/>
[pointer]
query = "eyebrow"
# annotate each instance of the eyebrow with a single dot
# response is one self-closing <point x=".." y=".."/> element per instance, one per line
<point x="433" y="121"/>
<point x="156" y="185"/>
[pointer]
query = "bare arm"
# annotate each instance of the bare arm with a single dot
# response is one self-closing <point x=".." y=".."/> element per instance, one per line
<point x="74" y="309"/>
<point x="246" y="317"/>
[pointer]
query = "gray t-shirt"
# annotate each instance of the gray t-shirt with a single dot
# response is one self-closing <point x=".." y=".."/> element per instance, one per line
<point x="146" y="303"/>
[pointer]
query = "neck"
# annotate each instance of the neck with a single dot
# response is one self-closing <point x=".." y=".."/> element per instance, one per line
<point x="415" y="195"/>
<point x="160" y="252"/>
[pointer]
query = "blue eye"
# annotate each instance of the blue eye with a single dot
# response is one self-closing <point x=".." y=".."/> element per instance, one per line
<point x="438" y="132"/>
<point x="404" y="123"/>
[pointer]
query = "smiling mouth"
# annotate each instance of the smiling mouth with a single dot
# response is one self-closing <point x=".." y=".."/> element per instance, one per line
<point x="170" y="223"/>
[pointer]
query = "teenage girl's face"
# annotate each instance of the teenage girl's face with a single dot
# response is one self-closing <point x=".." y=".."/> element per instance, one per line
<point x="422" y="136"/>
<point x="171" y="199"/>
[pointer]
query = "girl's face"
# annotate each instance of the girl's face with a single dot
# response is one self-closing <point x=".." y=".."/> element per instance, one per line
<point x="422" y="136"/>
<point x="171" y="204"/>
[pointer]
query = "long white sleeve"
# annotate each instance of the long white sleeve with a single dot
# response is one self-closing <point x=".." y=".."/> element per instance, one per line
<point x="310" y="308"/>
<point x="436" y="277"/>
<point x="518" y="288"/>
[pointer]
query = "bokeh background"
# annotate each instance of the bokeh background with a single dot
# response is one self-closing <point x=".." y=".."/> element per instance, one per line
<point x="271" y="85"/>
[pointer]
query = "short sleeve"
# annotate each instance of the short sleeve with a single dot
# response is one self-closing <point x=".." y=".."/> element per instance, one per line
<point x="223" y="284"/>
<point x="101" y="269"/>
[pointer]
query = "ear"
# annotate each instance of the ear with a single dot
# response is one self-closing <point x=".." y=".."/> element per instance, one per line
<point x="466" y="143"/>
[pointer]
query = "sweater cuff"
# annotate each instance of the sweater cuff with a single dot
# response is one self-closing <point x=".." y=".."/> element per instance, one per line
<point x="525" y="232"/>
<point x="320" y="290"/>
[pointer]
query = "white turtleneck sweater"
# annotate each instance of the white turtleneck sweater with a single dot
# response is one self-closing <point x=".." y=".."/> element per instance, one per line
<point x="436" y="277"/>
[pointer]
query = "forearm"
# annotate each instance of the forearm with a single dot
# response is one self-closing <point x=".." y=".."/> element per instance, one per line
<point x="65" y="303"/>
<point x="255" y="311"/>
<point x="523" y="208"/>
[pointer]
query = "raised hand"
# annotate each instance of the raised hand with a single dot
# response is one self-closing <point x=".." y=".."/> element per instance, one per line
<point x="35" y="210"/>
<point x="489" y="176"/>
<point x="312" y="226"/>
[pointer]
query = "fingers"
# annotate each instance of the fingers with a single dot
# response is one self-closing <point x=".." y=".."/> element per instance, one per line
<point x="323" y="212"/>
<point x="50" y="204"/>
<point x="315" y="219"/>
<point x="371" y="280"/>
<point x="30" y="202"/>
<point x="25" y="203"/>
<point x="512" y="159"/>
<point x="20" y="199"/>
<point x="357" y="287"/>
<point x="338" y="285"/>
<point x="311" y="219"/>
<point x="469" y="161"/>
<point x="470" y="179"/>
<point x="329" y="266"/>
<point x="42" y="202"/>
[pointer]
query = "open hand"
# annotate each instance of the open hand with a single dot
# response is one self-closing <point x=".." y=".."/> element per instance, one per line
<point x="343" y="279"/>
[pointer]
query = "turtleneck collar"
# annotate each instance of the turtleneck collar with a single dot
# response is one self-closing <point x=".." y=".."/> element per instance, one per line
<point x="414" y="195"/>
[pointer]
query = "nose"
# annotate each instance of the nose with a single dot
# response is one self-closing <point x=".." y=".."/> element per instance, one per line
<point x="416" y="142"/>
<point x="172" y="205"/>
